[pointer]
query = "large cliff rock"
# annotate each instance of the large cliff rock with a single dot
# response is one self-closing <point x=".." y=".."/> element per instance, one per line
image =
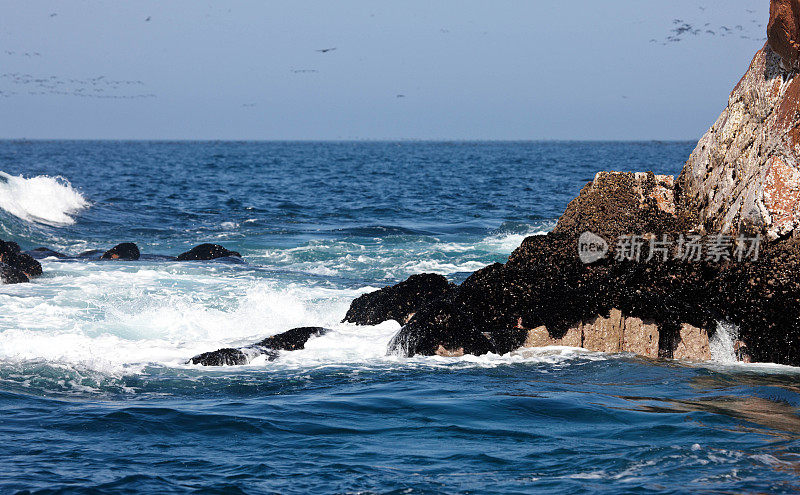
<point x="742" y="179"/>
<point x="783" y="31"/>
<point x="744" y="175"/>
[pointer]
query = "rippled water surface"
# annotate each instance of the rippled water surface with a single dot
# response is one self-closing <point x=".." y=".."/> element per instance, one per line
<point x="96" y="396"/>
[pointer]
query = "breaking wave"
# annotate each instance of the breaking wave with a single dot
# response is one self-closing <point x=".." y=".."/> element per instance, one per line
<point x="42" y="199"/>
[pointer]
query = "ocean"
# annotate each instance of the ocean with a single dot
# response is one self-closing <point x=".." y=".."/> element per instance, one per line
<point x="96" y="395"/>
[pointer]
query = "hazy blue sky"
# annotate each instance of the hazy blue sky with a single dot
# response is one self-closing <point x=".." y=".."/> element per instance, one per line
<point x="533" y="69"/>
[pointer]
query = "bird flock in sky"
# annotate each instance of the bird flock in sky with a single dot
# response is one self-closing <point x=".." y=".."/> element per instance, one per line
<point x="95" y="87"/>
<point x="681" y="29"/>
<point x="101" y="87"/>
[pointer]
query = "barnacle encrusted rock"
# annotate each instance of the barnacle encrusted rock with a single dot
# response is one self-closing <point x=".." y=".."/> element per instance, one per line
<point x="743" y="175"/>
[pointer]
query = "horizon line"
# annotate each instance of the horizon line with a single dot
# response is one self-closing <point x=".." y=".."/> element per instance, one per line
<point x="356" y="140"/>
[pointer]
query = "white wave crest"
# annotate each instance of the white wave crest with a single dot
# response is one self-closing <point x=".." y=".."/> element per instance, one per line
<point x="723" y="343"/>
<point x="41" y="199"/>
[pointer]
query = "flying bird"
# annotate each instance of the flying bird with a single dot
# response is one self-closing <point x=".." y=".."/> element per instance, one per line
<point x="326" y="50"/>
<point x="148" y="19"/>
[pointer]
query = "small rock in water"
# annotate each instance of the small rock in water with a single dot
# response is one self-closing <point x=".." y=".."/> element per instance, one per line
<point x="10" y="255"/>
<point x="291" y="340"/>
<point x="205" y="252"/>
<point x="126" y="251"/>
<point x="222" y="357"/>
<point x="12" y="275"/>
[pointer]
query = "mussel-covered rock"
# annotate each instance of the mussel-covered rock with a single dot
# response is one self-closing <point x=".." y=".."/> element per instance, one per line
<point x="206" y="252"/>
<point x="11" y="255"/>
<point x="398" y="302"/>
<point x="222" y="357"/>
<point x="127" y="251"/>
<point x="291" y="340"/>
<point x="12" y="275"/>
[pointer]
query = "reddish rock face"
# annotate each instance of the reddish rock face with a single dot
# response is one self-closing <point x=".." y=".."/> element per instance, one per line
<point x="782" y="195"/>
<point x="745" y="172"/>
<point x="783" y="30"/>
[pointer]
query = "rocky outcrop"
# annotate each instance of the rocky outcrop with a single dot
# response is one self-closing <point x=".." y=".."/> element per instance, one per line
<point x="661" y="305"/>
<point x="207" y="252"/>
<point x="783" y="31"/>
<point x="229" y="357"/>
<point x="127" y="251"/>
<point x="291" y="340"/>
<point x="583" y="285"/>
<point x="744" y="175"/>
<point x="398" y="302"/>
<point x="619" y="203"/>
<point x="18" y="266"/>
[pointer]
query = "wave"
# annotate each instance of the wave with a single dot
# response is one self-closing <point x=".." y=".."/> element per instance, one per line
<point x="42" y="199"/>
<point x="395" y="258"/>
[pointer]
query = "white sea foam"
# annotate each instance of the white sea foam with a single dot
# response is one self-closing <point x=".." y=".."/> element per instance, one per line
<point x="118" y="318"/>
<point x="723" y="342"/>
<point x="41" y="199"/>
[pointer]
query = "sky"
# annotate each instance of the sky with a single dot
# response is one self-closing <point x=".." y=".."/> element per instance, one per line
<point x="430" y="69"/>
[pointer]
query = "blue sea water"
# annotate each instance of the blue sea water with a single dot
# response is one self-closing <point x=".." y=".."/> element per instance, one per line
<point x="95" y="395"/>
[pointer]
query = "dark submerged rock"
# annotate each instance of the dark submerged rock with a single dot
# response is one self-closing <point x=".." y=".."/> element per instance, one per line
<point x="127" y="251"/>
<point x="92" y="254"/>
<point x="157" y="257"/>
<point x="291" y="340"/>
<point x="43" y="252"/>
<point x="398" y="302"/>
<point x="205" y="252"/>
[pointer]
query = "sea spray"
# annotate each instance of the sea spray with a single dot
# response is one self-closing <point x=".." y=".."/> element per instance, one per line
<point x="722" y="343"/>
<point x="41" y="199"/>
